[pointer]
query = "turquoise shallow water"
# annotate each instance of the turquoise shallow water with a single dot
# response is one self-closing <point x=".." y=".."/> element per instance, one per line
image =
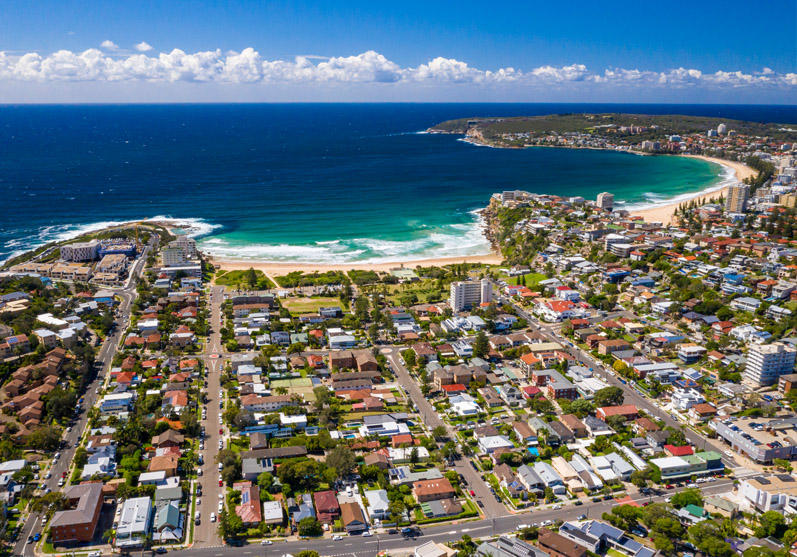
<point x="316" y="183"/>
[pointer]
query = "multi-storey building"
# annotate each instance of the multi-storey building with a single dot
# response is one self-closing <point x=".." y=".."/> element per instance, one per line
<point x="767" y="362"/>
<point x="468" y="294"/>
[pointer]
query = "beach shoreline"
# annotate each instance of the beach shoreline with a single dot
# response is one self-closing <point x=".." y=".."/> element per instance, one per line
<point x="665" y="212"/>
<point x="272" y="268"/>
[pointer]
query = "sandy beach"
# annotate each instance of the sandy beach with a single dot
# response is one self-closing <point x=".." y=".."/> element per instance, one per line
<point x="282" y="268"/>
<point x="664" y="213"/>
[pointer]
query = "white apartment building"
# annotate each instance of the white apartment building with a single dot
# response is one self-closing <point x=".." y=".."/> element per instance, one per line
<point x="605" y="201"/>
<point x="80" y="251"/>
<point x="767" y="362"/>
<point x="469" y="294"/>
<point x="771" y="493"/>
<point x="173" y="257"/>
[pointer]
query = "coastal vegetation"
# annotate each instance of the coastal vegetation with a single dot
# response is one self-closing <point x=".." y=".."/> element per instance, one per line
<point x="656" y="125"/>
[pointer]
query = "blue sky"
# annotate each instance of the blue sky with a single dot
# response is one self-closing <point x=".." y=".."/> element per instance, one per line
<point x="484" y="51"/>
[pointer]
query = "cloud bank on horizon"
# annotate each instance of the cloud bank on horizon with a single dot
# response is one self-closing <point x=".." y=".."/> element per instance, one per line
<point x="113" y="64"/>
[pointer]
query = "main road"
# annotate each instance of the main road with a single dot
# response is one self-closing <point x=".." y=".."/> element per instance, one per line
<point x="357" y="546"/>
<point x="102" y="363"/>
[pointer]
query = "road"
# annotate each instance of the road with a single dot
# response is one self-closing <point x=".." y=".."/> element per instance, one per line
<point x="357" y="546"/>
<point x="431" y="419"/>
<point x="103" y="361"/>
<point x="205" y="534"/>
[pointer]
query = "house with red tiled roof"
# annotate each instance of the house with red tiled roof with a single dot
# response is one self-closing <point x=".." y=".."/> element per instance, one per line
<point x="405" y="439"/>
<point x="684" y="450"/>
<point x="250" y="509"/>
<point x="128" y="363"/>
<point x="134" y="341"/>
<point x="153" y="340"/>
<point x="454" y="388"/>
<point x="327" y="507"/>
<point x="625" y="410"/>
<point x="126" y="378"/>
<point x="177" y="400"/>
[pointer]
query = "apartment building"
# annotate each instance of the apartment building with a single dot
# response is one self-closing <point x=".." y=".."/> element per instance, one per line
<point x="767" y="362"/>
<point x="469" y="294"/>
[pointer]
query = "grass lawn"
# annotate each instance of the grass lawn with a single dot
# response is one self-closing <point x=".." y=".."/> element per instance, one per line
<point x="532" y="279"/>
<point x="238" y="278"/>
<point x="309" y="305"/>
<point x="425" y="291"/>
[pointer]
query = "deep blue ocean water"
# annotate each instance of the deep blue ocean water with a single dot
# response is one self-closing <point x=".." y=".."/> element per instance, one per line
<point x="309" y="182"/>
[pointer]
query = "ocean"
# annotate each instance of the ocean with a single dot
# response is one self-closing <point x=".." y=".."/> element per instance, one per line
<point x="306" y="182"/>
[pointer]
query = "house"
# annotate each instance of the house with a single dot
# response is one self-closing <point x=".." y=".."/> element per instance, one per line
<point x="702" y="412"/>
<point x="166" y="463"/>
<point x="492" y="443"/>
<point x="575" y="425"/>
<point x="432" y="490"/>
<point x="326" y="506"/>
<point x="625" y="411"/>
<point x="272" y="512"/>
<point x="559" y="546"/>
<point x="352" y="518"/>
<point x="254" y="463"/>
<point x="600" y="537"/>
<point x="506" y="546"/>
<point x="378" y="504"/>
<point x="549" y="477"/>
<point x="524" y="432"/>
<point x="249" y="510"/>
<point x="529" y="479"/>
<point x="134" y="522"/>
<point x="301" y="509"/>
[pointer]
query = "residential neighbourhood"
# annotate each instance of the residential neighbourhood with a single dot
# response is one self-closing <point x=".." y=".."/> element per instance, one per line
<point x="632" y="387"/>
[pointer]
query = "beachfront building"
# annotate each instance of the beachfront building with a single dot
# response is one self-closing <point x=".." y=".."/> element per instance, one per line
<point x="80" y="251"/>
<point x="737" y="198"/>
<point x="605" y="201"/>
<point x="469" y="294"/>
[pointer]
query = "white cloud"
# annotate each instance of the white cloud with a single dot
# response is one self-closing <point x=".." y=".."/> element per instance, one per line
<point x="248" y="66"/>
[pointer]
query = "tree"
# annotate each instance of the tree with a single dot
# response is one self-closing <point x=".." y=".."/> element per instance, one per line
<point x="342" y="459"/>
<point x="481" y="346"/>
<point x="439" y="432"/>
<point x="628" y="516"/>
<point x="687" y="497"/>
<point x="608" y="396"/>
<point x="310" y="527"/>
<point x="45" y="438"/>
<point x="771" y="523"/>
<point x="581" y="407"/>
<point x="640" y="477"/>
<point x="307" y="553"/>
<point x="264" y="481"/>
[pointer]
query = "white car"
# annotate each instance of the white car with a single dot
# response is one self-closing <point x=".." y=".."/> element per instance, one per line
<point x="221" y="506"/>
<point x="213" y="517"/>
<point x="266" y="542"/>
<point x="199" y="471"/>
<point x="337" y="537"/>
<point x="367" y="534"/>
<point x="522" y="526"/>
<point x="61" y="482"/>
